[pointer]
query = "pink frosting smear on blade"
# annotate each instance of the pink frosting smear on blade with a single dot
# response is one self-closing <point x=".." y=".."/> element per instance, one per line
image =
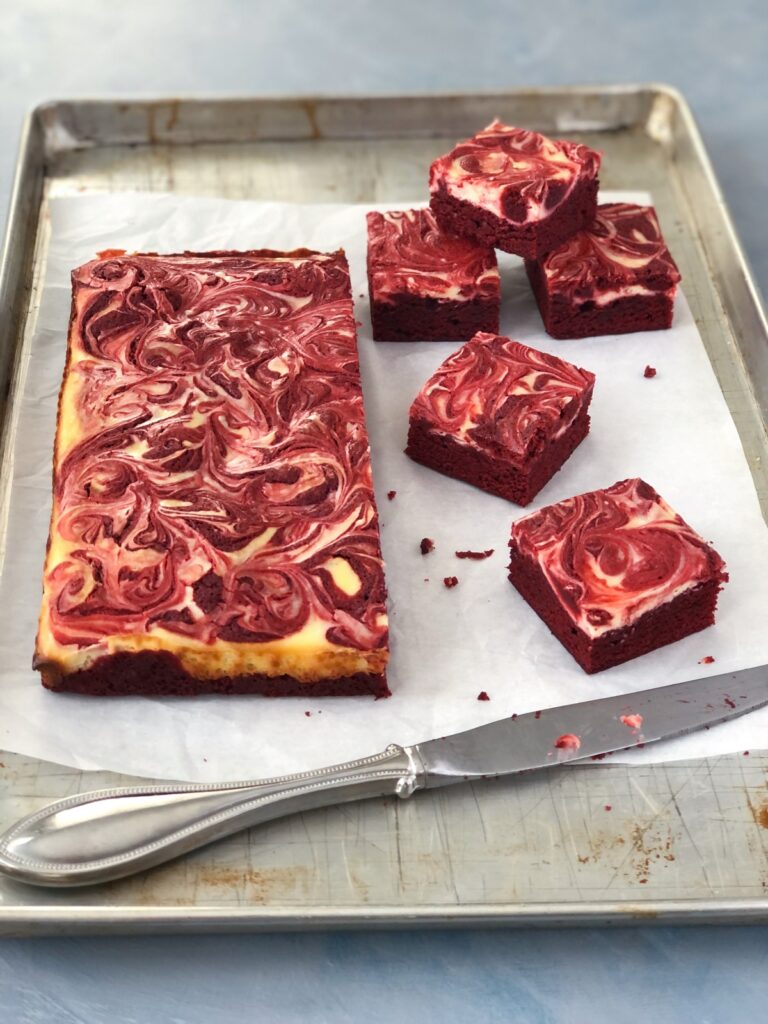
<point x="632" y="721"/>
<point x="568" y="741"/>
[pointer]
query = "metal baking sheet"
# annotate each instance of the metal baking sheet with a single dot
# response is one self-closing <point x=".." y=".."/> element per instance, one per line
<point x="681" y="842"/>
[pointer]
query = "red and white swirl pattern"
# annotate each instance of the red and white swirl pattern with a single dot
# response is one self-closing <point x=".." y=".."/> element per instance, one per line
<point x="519" y="175"/>
<point x="612" y="555"/>
<point x="622" y="253"/>
<point x="502" y="397"/>
<point x="408" y="253"/>
<point x="213" y="469"/>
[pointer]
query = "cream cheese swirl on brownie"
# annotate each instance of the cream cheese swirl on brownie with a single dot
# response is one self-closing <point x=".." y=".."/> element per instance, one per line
<point x="623" y="253"/>
<point x="495" y="393"/>
<point x="517" y="174"/>
<point x="212" y="472"/>
<point x="412" y="255"/>
<point x="610" y="556"/>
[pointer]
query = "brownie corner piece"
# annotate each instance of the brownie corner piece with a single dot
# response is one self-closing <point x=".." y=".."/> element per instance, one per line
<point x="425" y="285"/>
<point x="609" y="593"/>
<point x="501" y="416"/>
<point x="615" y="276"/>
<point x="515" y="189"/>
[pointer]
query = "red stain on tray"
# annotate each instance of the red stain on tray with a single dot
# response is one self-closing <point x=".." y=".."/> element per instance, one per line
<point x="476" y="556"/>
<point x="391" y="494"/>
<point x="708" y="660"/>
<point x="483" y="695"/>
<point x="451" y="581"/>
<point x="110" y="254"/>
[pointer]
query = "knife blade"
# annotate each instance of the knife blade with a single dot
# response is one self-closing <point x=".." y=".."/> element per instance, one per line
<point x="101" y="836"/>
<point x="594" y="728"/>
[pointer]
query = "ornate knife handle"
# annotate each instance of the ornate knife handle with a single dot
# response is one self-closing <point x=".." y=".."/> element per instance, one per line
<point x="111" y="833"/>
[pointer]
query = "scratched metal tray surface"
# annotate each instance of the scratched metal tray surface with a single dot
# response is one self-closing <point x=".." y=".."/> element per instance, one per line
<point x="687" y="841"/>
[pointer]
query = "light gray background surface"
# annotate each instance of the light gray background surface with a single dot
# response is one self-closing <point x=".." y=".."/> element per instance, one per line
<point x="716" y="53"/>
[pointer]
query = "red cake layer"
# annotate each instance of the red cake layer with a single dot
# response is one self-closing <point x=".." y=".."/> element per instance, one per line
<point x="213" y="511"/>
<point x="489" y="472"/>
<point x="152" y="673"/>
<point x="514" y="189"/>
<point x="410" y="318"/>
<point x="614" y="277"/>
<point x="500" y="415"/>
<point x="425" y="285"/>
<point x="615" y="573"/>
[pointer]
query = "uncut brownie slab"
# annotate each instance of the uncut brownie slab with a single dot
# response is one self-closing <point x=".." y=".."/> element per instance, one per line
<point x="613" y="277"/>
<point x="214" y="526"/>
<point x="426" y="285"/>
<point x="615" y="573"/>
<point x="500" y="415"/>
<point x="515" y="189"/>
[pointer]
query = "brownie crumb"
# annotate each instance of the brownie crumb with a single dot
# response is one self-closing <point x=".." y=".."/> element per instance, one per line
<point x="476" y="556"/>
<point x="708" y="660"/>
<point x="391" y="494"/>
<point x="450" y="582"/>
<point x="427" y="545"/>
<point x="649" y="371"/>
<point x="483" y="695"/>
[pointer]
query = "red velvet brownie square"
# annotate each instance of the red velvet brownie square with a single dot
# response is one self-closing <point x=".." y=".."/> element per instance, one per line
<point x="425" y="285"/>
<point x="501" y="416"/>
<point x="613" y="277"/>
<point x="615" y="573"/>
<point x="515" y="189"/>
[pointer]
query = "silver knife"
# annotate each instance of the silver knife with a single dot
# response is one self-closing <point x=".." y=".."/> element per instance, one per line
<point x="108" y="834"/>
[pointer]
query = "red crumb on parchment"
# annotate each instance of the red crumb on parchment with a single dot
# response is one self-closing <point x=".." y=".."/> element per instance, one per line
<point x="451" y="581"/>
<point x="746" y="753"/>
<point x="483" y="695"/>
<point x="537" y="715"/>
<point x="730" y="701"/>
<point x="708" y="660"/>
<point x="427" y="545"/>
<point x="109" y="254"/>
<point x="649" y="371"/>
<point x="476" y="556"/>
<point x="307" y="713"/>
<point x="391" y="494"/>
<point x="568" y="741"/>
<point x="608" y="807"/>
<point x="631" y="721"/>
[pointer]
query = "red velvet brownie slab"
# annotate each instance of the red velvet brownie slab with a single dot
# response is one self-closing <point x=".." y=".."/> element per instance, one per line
<point x="425" y="285"/>
<point x="614" y="277"/>
<point x="515" y="190"/>
<point x="214" y="526"/>
<point x="501" y="416"/>
<point x="615" y="573"/>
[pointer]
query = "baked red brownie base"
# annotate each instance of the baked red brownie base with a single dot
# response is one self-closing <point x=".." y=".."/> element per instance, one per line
<point x="408" y="318"/>
<point x="496" y="476"/>
<point x="159" y="673"/>
<point x="564" y="319"/>
<point x="687" y="613"/>
<point x="458" y="217"/>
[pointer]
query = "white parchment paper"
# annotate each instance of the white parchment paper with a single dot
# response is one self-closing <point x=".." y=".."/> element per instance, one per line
<point x="447" y="645"/>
